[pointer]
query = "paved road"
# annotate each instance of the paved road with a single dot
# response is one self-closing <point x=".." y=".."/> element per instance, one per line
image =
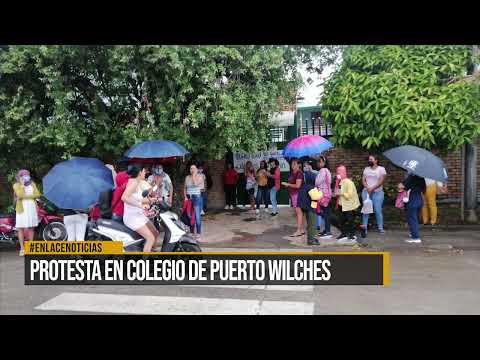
<point x="422" y="282"/>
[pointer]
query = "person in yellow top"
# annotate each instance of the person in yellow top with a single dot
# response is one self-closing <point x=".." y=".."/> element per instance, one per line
<point x="25" y="192"/>
<point x="262" y="186"/>
<point x="347" y="203"/>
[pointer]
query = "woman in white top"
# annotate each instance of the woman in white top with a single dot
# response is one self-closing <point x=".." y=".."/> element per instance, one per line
<point x="193" y="191"/>
<point x="373" y="179"/>
<point x="135" y="204"/>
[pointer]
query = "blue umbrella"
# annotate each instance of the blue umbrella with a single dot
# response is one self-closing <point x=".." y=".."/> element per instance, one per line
<point x="156" y="149"/>
<point x="418" y="161"/>
<point x="77" y="183"/>
<point x="306" y="145"/>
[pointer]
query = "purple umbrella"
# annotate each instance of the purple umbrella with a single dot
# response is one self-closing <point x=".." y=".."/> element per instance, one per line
<point x="306" y="145"/>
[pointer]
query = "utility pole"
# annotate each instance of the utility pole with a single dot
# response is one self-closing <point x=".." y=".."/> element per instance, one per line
<point x="470" y="161"/>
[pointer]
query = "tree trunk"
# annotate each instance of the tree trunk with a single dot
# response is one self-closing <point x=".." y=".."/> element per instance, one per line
<point x="470" y="178"/>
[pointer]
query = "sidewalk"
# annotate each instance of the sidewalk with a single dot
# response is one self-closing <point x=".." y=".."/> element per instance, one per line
<point x="241" y="229"/>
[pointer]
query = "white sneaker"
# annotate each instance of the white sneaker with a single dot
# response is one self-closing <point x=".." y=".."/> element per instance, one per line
<point x="226" y="207"/>
<point x="413" y="241"/>
<point x="232" y="207"/>
<point x="202" y="213"/>
<point x="347" y="240"/>
<point x="257" y="211"/>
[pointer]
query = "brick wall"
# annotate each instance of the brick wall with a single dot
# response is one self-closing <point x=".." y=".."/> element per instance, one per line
<point x="355" y="160"/>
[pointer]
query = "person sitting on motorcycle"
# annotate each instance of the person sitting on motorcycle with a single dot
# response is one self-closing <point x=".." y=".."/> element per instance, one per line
<point x="163" y="182"/>
<point x="25" y="194"/>
<point x="134" y="205"/>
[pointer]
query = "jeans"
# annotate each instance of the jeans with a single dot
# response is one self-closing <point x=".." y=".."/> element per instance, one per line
<point x="273" y="199"/>
<point x="377" y="200"/>
<point x="412" y="219"/>
<point x="204" y="201"/>
<point x="326" y="214"/>
<point x="262" y="196"/>
<point x="230" y="195"/>
<point x="197" y="206"/>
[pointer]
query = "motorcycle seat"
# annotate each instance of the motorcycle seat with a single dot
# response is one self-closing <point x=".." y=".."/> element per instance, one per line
<point x="115" y="225"/>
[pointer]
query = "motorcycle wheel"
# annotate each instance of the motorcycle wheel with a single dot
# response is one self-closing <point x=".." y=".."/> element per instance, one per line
<point x="54" y="231"/>
<point x="187" y="247"/>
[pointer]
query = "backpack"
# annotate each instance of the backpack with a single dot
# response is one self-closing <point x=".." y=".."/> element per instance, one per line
<point x="105" y="204"/>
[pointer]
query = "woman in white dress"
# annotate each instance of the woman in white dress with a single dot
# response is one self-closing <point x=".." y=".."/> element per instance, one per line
<point x="134" y="216"/>
<point x="25" y="193"/>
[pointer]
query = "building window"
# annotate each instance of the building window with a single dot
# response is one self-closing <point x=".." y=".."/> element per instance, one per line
<point x="277" y="135"/>
<point x="315" y="125"/>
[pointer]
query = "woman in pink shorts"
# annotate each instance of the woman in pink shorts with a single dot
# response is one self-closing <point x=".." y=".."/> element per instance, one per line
<point x="295" y="181"/>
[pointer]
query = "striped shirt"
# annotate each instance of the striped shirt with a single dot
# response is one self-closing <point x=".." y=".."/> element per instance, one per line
<point x="192" y="189"/>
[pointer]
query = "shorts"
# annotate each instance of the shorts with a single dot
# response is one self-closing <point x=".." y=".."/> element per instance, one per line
<point x="293" y="200"/>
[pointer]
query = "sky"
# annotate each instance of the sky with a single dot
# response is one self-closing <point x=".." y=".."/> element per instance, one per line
<point x="312" y="92"/>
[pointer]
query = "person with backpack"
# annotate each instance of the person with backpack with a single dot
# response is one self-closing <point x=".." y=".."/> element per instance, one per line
<point x="306" y="199"/>
<point x="323" y="182"/>
<point x="416" y="187"/>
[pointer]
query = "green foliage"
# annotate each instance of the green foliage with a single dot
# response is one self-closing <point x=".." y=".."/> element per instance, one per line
<point x="57" y="101"/>
<point x="384" y="96"/>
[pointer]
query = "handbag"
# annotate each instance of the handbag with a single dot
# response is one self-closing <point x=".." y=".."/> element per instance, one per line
<point x="188" y="213"/>
<point x="367" y="205"/>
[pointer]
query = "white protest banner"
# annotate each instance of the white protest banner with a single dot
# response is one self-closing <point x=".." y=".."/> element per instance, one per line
<point x="239" y="159"/>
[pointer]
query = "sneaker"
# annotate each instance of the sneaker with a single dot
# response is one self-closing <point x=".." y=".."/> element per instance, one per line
<point x="342" y="237"/>
<point x="313" y="242"/>
<point x="274" y="214"/>
<point x="226" y="207"/>
<point x="232" y="207"/>
<point x="21" y="253"/>
<point x="202" y="213"/>
<point x="347" y="240"/>
<point x="326" y="235"/>
<point x="363" y="233"/>
<point x="413" y="241"/>
<point x="381" y="231"/>
<point x="266" y="210"/>
<point x="257" y="211"/>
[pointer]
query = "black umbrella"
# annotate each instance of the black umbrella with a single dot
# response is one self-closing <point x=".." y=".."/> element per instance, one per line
<point x="418" y="161"/>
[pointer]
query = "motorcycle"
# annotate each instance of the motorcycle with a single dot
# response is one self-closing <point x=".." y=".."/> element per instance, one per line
<point x="50" y="226"/>
<point x="176" y="238"/>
